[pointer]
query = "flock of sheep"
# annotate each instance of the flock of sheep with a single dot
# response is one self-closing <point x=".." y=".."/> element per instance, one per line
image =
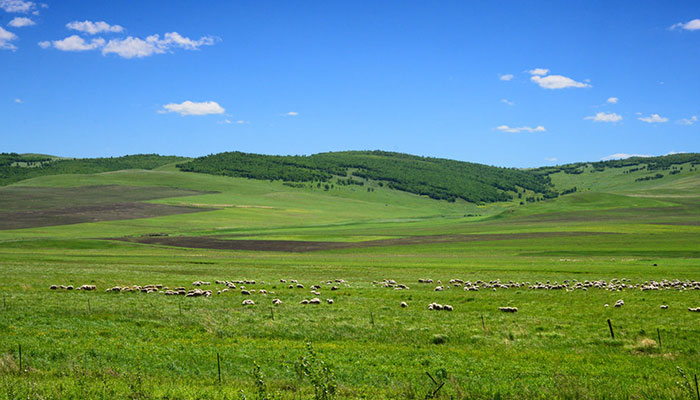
<point x="242" y="286"/>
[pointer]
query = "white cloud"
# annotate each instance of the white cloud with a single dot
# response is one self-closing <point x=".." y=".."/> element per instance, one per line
<point x="136" y="47"/>
<point x="19" y="22"/>
<point x="653" y="118"/>
<point x="228" y="121"/>
<point x="18" y="101"/>
<point x="75" y="43"/>
<point x="539" y="71"/>
<point x="193" y="108"/>
<point x="620" y="156"/>
<point x="291" y="114"/>
<point x="506" y="101"/>
<point x="506" y="77"/>
<point x="506" y="128"/>
<point x="132" y="47"/>
<point x="5" y="38"/>
<point x="44" y="44"/>
<point x="692" y="25"/>
<point x="17" y="6"/>
<point x="93" y="27"/>
<point x="605" y="117"/>
<point x="613" y="100"/>
<point x="551" y="159"/>
<point x="557" y="82"/>
<point x="688" y="121"/>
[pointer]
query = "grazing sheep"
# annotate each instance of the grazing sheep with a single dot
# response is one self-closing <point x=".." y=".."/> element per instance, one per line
<point x="262" y="291"/>
<point x="404" y="304"/>
<point x="439" y="289"/>
<point x="300" y="286"/>
<point x="283" y="281"/>
<point x="696" y="309"/>
<point x="619" y="303"/>
<point x="53" y="287"/>
<point x="87" y="287"/>
<point x="69" y="287"/>
<point x="435" y="306"/>
<point x="305" y="301"/>
<point x="447" y="307"/>
<point x="317" y="293"/>
<point x="329" y="301"/>
<point x="276" y="301"/>
<point x="334" y="288"/>
<point x="315" y="300"/>
<point x="248" y="302"/>
<point x="664" y="307"/>
<point x="508" y="309"/>
<point x="245" y="292"/>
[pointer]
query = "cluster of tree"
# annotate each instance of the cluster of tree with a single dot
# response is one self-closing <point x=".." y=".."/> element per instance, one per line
<point x="10" y="173"/>
<point x="437" y="178"/>
<point x="649" y="178"/>
<point x="12" y="159"/>
<point x="569" y="191"/>
<point x="650" y="163"/>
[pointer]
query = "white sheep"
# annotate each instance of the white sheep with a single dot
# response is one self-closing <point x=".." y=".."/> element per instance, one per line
<point x="248" y="302"/>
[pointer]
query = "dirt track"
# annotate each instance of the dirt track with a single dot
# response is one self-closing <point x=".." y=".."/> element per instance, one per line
<point x="298" y="246"/>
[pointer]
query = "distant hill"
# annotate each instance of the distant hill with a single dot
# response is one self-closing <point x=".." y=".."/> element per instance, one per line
<point x="437" y="178"/>
<point x="16" y="167"/>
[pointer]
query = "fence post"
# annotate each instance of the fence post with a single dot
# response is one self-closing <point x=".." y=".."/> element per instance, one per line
<point x="612" y="334"/>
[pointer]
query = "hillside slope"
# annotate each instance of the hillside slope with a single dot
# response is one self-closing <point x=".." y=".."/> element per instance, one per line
<point x="436" y="178"/>
<point x="17" y="167"/>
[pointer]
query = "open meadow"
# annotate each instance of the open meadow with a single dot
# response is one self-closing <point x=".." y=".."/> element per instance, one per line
<point x="564" y="263"/>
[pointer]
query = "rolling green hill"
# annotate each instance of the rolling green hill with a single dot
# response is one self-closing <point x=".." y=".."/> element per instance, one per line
<point x="437" y="178"/>
<point x="16" y="167"/>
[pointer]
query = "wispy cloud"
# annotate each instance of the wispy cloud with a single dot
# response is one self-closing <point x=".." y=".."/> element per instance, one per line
<point x="612" y="100"/>
<point x="92" y="28"/>
<point x="193" y="108"/>
<point x="692" y="25"/>
<point x="74" y="43"/>
<point x="539" y="71"/>
<point x="550" y="159"/>
<point x="688" y="121"/>
<point x="605" y="117"/>
<point x="506" y="128"/>
<point x="653" y="118"/>
<point x="129" y="47"/>
<point x="136" y="47"/>
<point x="18" y="101"/>
<point x="508" y="102"/>
<point x="228" y="121"/>
<point x="19" y="22"/>
<point x="620" y="156"/>
<point x="17" y="6"/>
<point x="506" y="77"/>
<point x="291" y="114"/>
<point x="5" y="38"/>
<point x="557" y="82"/>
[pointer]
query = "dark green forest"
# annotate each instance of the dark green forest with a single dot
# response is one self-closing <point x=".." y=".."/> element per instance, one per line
<point x="437" y="178"/>
<point x="16" y="167"/>
<point x="649" y="163"/>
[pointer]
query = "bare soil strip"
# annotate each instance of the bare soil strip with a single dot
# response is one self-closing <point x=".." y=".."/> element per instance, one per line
<point x="32" y="207"/>
<point x="299" y="246"/>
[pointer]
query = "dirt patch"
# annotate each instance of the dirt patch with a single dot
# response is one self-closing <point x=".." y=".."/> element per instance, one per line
<point x="299" y="246"/>
<point x="31" y="207"/>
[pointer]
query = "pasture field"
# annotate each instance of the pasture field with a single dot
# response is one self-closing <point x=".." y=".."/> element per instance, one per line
<point x="94" y="344"/>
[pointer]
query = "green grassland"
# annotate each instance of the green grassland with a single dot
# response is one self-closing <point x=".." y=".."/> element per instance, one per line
<point x="135" y="345"/>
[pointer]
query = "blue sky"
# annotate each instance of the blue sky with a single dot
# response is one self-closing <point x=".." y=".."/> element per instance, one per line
<point x="510" y="83"/>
